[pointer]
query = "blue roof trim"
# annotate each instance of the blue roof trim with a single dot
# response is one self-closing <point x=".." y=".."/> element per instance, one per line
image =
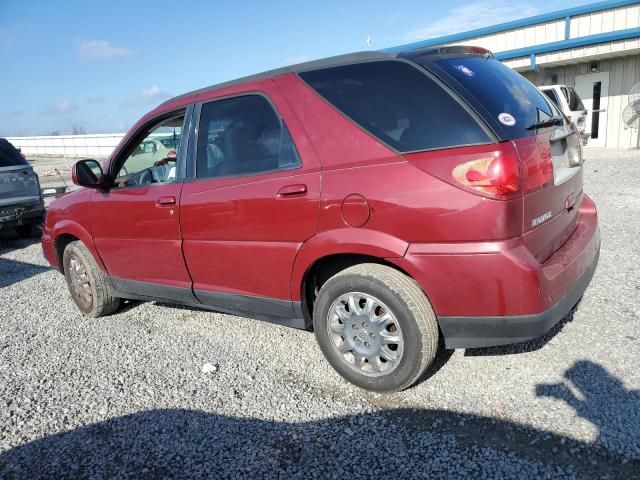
<point x="571" y="43"/>
<point x="524" y="22"/>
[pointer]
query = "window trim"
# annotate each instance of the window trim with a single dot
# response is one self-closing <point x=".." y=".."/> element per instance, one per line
<point x="493" y="138"/>
<point x="121" y="156"/>
<point x="198" y="116"/>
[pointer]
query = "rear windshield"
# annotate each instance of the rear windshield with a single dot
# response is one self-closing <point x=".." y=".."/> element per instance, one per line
<point x="9" y="156"/>
<point x="574" y="101"/>
<point x="500" y="90"/>
<point x="398" y="104"/>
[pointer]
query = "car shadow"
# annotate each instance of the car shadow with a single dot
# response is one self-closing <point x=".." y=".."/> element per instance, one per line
<point x="14" y="271"/>
<point x="9" y="240"/>
<point x="396" y="443"/>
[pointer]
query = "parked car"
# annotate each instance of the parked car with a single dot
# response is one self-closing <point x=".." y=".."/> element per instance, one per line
<point x="386" y="201"/>
<point x="568" y="102"/>
<point x="21" y="205"/>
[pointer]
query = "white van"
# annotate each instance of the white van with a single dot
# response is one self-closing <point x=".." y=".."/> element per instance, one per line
<point x="569" y="103"/>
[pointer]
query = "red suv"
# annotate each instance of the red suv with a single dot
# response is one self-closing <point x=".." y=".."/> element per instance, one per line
<point x="387" y="201"/>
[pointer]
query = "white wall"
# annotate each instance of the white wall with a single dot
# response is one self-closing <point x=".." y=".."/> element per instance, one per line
<point x="99" y="145"/>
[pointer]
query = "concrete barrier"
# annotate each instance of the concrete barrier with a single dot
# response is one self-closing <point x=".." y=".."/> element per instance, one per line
<point x="97" y="145"/>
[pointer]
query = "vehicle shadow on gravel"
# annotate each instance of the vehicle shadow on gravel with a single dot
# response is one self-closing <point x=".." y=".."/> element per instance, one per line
<point x="14" y="271"/>
<point x="401" y="443"/>
<point x="9" y="241"/>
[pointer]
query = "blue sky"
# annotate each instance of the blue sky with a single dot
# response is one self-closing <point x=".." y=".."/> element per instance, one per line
<point x="101" y="65"/>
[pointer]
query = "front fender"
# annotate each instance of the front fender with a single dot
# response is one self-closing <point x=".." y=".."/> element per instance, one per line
<point x="70" y="227"/>
<point x="343" y="241"/>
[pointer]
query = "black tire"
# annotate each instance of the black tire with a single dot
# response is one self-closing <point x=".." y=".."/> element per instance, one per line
<point x="411" y="309"/>
<point x="26" y="231"/>
<point x="96" y="299"/>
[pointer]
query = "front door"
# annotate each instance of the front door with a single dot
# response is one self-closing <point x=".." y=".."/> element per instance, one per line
<point x="593" y="89"/>
<point x="253" y="203"/>
<point x="136" y="223"/>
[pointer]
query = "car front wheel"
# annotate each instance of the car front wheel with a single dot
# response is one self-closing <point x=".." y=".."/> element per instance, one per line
<point x="87" y="283"/>
<point x="376" y="327"/>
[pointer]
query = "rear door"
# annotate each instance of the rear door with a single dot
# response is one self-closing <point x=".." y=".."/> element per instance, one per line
<point x="252" y="203"/>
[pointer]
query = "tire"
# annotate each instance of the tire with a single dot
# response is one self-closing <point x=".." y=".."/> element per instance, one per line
<point x="26" y="231"/>
<point x="401" y="316"/>
<point x="87" y="284"/>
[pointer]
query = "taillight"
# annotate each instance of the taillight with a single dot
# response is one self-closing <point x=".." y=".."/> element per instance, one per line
<point x="489" y="170"/>
<point x="497" y="174"/>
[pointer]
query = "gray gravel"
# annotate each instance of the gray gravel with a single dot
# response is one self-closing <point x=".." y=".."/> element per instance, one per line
<point x="162" y="391"/>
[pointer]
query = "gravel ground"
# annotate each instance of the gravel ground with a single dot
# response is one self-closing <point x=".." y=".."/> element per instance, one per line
<point x="162" y="391"/>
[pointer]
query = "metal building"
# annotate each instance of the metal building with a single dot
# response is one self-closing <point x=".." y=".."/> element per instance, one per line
<point x="594" y="48"/>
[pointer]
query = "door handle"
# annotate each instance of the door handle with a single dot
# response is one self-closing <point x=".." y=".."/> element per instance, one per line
<point x="291" y="190"/>
<point x="166" y="201"/>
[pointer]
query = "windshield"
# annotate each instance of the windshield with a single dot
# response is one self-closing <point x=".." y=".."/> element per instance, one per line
<point x="9" y="155"/>
<point x="507" y="95"/>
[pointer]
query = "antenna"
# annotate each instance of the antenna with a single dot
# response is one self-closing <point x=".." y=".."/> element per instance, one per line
<point x="62" y="178"/>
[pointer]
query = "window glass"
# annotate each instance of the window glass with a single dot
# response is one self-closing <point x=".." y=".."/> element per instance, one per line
<point x="552" y="96"/>
<point x="574" y="101"/>
<point x="242" y="136"/>
<point x="500" y="90"/>
<point x="398" y="104"/>
<point x="9" y="155"/>
<point x="154" y="159"/>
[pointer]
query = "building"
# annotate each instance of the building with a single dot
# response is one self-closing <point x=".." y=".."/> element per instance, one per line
<point x="594" y="48"/>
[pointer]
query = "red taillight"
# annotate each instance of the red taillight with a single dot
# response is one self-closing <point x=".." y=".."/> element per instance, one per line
<point x="496" y="174"/>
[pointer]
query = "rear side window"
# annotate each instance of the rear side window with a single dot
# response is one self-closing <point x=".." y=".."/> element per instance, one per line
<point x="552" y="96"/>
<point x="574" y="101"/>
<point x="243" y="136"/>
<point x="500" y="90"/>
<point x="9" y="155"/>
<point x="398" y="104"/>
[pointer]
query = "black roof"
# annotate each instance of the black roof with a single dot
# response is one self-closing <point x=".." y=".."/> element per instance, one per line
<point x="297" y="68"/>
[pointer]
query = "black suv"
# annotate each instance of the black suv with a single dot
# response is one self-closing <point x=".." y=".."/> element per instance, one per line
<point x="21" y="205"/>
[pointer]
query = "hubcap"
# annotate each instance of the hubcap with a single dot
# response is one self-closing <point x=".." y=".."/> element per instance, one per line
<point x="365" y="333"/>
<point x="79" y="280"/>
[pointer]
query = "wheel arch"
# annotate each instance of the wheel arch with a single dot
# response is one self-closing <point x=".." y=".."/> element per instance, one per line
<point x="66" y="232"/>
<point x="331" y="252"/>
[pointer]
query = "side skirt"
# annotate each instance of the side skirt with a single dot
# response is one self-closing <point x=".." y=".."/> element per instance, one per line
<point x="281" y="312"/>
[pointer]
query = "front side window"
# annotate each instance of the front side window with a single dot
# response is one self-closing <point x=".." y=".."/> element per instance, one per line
<point x="154" y="158"/>
<point x="398" y="104"/>
<point x="242" y="136"/>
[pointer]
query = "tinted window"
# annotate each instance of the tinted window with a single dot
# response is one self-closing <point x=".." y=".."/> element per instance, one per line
<point x="552" y="96"/>
<point x="398" y="104"/>
<point x="574" y="101"/>
<point x="242" y="136"/>
<point x="501" y="90"/>
<point x="9" y="155"/>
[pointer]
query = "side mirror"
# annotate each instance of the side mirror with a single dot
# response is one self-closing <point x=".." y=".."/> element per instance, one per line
<point x="87" y="173"/>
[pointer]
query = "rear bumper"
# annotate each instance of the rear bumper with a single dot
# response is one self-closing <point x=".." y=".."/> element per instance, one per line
<point x="28" y="213"/>
<point x="496" y="293"/>
<point x="473" y="332"/>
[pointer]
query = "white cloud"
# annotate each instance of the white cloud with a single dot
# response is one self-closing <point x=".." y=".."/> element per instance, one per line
<point x="101" y="50"/>
<point x="95" y="99"/>
<point x="472" y="16"/>
<point x="297" y="59"/>
<point x="153" y="94"/>
<point x="62" y="106"/>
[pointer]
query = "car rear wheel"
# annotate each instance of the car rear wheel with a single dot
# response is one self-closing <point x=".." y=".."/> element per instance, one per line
<point x="87" y="284"/>
<point x="376" y="327"/>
